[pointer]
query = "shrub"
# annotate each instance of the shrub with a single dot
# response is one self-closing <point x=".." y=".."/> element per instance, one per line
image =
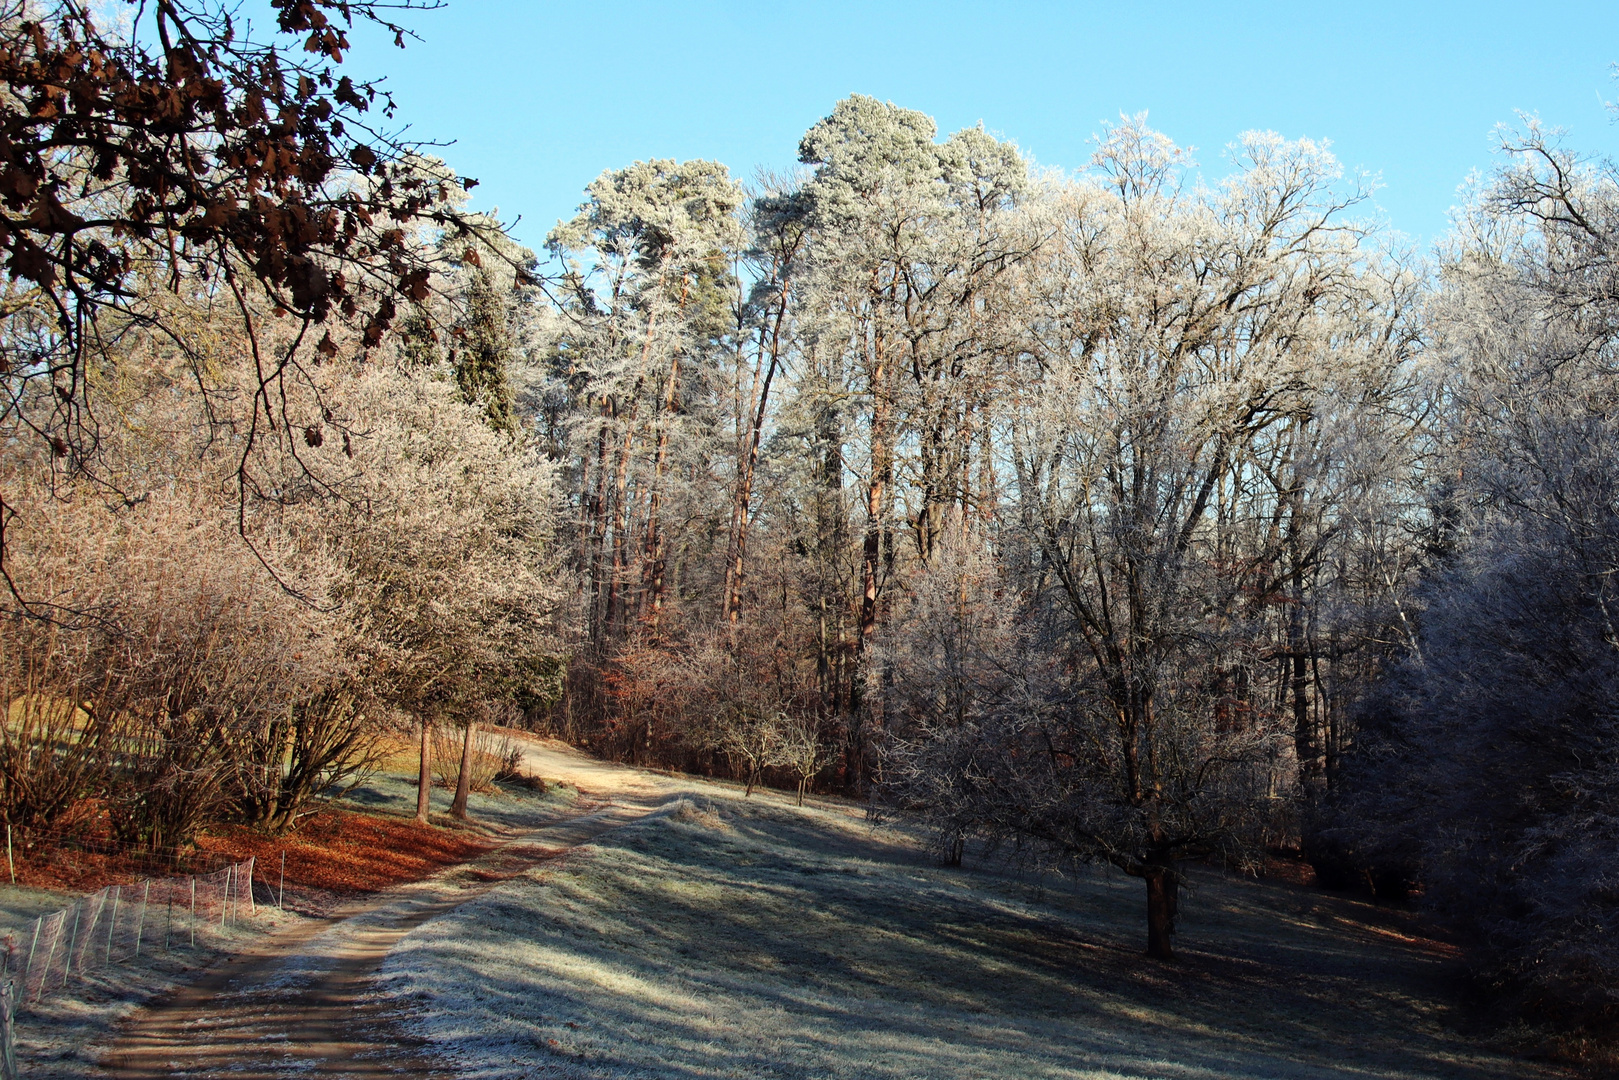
<point x="494" y="757"/>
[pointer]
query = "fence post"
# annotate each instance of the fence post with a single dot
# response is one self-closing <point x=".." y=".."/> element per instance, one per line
<point x="72" y="943"/>
<point x="8" y="1037"/>
<point x="9" y="864"/>
<point x="140" y="924"/>
<point x="88" y="948"/>
<point x="281" y="894"/>
<point x="168" y="931"/>
<point x="193" y="911"/>
<point x="252" y="901"/>
<point x="224" y="900"/>
<point x="50" y="957"/>
<point x="112" y="923"/>
<point x="31" y="946"/>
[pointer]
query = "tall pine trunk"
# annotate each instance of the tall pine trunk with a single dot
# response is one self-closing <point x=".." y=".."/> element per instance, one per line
<point x="742" y="511"/>
<point x="882" y="468"/>
<point x="598" y="532"/>
<point x="656" y="552"/>
<point x="616" y="602"/>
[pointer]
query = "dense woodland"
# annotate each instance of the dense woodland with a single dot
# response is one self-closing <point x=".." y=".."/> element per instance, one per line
<point x="1163" y="510"/>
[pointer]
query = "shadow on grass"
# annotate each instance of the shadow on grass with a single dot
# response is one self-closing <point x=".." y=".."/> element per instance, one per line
<point x="795" y="944"/>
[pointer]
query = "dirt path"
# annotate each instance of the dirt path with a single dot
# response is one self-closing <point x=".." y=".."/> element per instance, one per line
<point x="298" y="1004"/>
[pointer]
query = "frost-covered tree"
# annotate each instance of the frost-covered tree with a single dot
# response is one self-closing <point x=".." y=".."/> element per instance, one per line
<point x="909" y="240"/>
<point x="1492" y="779"/>
<point x="1164" y="423"/>
<point x="648" y="276"/>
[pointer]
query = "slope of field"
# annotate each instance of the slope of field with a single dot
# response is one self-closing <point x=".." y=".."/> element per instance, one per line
<point x="748" y="939"/>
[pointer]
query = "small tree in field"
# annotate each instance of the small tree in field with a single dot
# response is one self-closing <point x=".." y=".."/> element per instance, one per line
<point x="800" y="748"/>
<point x="750" y="735"/>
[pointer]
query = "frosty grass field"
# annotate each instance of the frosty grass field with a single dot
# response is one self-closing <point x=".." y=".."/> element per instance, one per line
<point x="733" y="938"/>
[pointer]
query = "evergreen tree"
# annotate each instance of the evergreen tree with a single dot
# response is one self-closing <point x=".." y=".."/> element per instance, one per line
<point x="483" y="361"/>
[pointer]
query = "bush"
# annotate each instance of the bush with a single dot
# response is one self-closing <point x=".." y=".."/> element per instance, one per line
<point x="52" y="752"/>
<point x="191" y="659"/>
<point x="494" y="757"/>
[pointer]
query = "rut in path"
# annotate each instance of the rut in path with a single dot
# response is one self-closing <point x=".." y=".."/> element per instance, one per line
<point x="298" y="1006"/>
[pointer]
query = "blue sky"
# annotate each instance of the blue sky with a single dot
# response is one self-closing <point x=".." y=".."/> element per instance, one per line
<point x="541" y="97"/>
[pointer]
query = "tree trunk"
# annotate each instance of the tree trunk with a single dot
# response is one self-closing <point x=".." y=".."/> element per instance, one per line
<point x="656" y="555"/>
<point x="741" y="512"/>
<point x="935" y="487"/>
<point x="876" y="495"/>
<point x="870" y="564"/>
<point x="878" y="542"/>
<point x="616" y="601"/>
<point x="463" y="783"/>
<point x="598" y="533"/>
<point x="1306" y="737"/>
<point x="1163" y="895"/>
<point x="424" y="778"/>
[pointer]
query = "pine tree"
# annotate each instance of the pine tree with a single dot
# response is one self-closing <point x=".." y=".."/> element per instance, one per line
<point x="482" y="363"/>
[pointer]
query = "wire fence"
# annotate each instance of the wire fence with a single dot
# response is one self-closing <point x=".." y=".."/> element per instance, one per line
<point x="120" y="922"/>
<point x="72" y="849"/>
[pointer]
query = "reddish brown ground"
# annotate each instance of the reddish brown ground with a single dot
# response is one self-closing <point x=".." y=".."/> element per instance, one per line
<point x="48" y="865"/>
<point x="345" y="851"/>
<point x="337" y="851"/>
